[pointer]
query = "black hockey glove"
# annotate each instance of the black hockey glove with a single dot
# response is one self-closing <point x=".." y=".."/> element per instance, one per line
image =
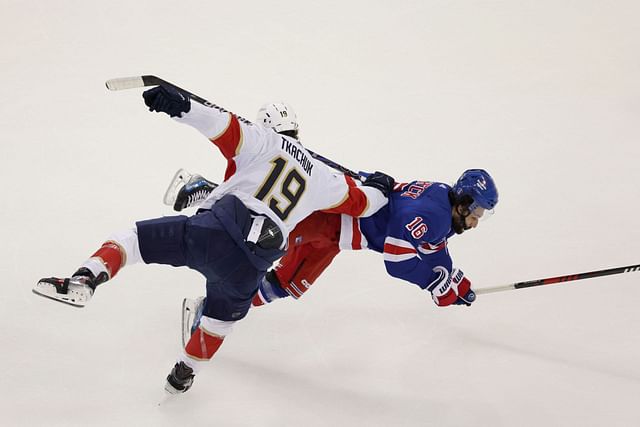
<point x="168" y="100"/>
<point x="380" y="181"/>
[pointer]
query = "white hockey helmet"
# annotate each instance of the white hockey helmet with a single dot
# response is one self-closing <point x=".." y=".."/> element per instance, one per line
<point x="277" y="116"/>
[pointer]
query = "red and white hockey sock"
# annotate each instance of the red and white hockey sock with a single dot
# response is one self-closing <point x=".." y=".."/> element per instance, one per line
<point x="109" y="259"/>
<point x="205" y="342"/>
<point x="202" y="345"/>
<point x="121" y="249"/>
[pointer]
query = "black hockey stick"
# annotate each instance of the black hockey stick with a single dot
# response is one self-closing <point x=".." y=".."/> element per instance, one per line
<point x="559" y="279"/>
<point x="149" y="80"/>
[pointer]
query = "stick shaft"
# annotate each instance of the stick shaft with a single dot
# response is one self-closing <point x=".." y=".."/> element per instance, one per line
<point x="123" y="83"/>
<point x="559" y="279"/>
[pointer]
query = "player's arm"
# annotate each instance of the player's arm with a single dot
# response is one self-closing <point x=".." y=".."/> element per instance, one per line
<point x="220" y="127"/>
<point x="431" y="269"/>
<point x="366" y="199"/>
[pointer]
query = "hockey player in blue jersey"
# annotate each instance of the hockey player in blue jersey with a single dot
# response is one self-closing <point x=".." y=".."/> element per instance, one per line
<point x="411" y="232"/>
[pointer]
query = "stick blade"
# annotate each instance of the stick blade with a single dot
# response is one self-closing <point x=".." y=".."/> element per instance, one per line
<point x="123" y="83"/>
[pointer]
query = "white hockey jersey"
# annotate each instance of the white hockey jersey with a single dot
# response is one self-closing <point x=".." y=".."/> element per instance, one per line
<point x="274" y="174"/>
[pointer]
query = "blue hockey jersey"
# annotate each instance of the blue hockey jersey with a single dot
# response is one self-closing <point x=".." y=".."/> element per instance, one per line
<point x="411" y="232"/>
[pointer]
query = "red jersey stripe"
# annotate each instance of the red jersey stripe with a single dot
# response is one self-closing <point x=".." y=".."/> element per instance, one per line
<point x="354" y="203"/>
<point x="397" y="250"/>
<point x="229" y="143"/>
<point x="230" y="140"/>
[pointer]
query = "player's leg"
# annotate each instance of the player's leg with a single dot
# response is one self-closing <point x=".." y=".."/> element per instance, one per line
<point x="119" y="250"/>
<point x="158" y="241"/>
<point x="218" y="246"/>
<point x="313" y="245"/>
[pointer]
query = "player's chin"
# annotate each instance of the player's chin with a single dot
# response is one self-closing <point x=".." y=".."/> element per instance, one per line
<point x="458" y="228"/>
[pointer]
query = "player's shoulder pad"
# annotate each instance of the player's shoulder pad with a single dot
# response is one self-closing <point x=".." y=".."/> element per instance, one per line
<point x="428" y="201"/>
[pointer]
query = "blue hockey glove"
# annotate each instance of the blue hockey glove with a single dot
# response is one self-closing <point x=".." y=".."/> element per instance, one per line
<point x="168" y="100"/>
<point x="466" y="299"/>
<point x="381" y="182"/>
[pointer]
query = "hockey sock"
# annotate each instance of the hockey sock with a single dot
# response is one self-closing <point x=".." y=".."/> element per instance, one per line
<point x="200" y="349"/>
<point x="109" y="258"/>
<point x="205" y="341"/>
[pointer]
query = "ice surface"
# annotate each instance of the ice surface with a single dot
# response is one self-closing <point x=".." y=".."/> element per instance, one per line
<point x="545" y="95"/>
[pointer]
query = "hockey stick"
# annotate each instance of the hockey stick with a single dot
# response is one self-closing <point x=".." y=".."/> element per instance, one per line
<point x="559" y="279"/>
<point x="123" y="83"/>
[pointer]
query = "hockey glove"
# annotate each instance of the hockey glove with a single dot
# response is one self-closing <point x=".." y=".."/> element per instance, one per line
<point x="381" y="182"/>
<point x="462" y="287"/>
<point x="165" y="99"/>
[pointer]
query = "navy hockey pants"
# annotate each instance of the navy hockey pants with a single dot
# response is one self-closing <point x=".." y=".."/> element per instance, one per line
<point x="213" y="242"/>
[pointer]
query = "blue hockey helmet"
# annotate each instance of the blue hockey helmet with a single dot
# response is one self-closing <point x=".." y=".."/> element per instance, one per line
<point x="478" y="184"/>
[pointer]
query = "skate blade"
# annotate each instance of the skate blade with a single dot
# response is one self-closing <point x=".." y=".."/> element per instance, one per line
<point x="77" y="296"/>
<point x="62" y="300"/>
<point x="189" y="312"/>
<point x="166" y="396"/>
<point x="179" y="179"/>
<point x="187" y="316"/>
<point x="170" y="391"/>
<point x="184" y="322"/>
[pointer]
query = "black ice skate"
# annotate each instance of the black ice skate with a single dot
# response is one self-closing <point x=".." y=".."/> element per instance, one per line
<point x="180" y="379"/>
<point x="187" y="190"/>
<point x="76" y="290"/>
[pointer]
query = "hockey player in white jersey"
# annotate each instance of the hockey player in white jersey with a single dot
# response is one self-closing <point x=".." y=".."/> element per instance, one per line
<point x="271" y="183"/>
<point x="405" y="232"/>
<point x="187" y="190"/>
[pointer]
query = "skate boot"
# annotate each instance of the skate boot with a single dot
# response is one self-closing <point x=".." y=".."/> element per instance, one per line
<point x="187" y="190"/>
<point x="191" y="313"/>
<point x="180" y="379"/>
<point x="76" y="290"/>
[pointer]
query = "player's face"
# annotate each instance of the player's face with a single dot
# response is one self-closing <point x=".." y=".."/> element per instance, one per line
<point x="474" y="218"/>
<point x="463" y="220"/>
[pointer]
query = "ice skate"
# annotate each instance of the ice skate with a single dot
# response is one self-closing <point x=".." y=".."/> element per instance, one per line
<point x="76" y="290"/>
<point x="191" y="314"/>
<point x="180" y="379"/>
<point x="187" y="190"/>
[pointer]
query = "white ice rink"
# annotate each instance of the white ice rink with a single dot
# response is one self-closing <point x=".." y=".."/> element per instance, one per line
<point x="543" y="94"/>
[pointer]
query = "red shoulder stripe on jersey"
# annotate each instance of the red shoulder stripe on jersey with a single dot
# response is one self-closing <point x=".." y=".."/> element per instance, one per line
<point x="355" y="202"/>
<point x="230" y="140"/>
<point x="229" y="143"/>
<point x="231" y="169"/>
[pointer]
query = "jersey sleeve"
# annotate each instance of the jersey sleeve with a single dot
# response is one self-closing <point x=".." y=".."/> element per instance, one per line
<point x="357" y="201"/>
<point x="407" y="258"/>
<point x="226" y="132"/>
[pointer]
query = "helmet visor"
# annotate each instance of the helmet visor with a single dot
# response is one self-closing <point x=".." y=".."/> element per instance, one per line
<point x="480" y="213"/>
